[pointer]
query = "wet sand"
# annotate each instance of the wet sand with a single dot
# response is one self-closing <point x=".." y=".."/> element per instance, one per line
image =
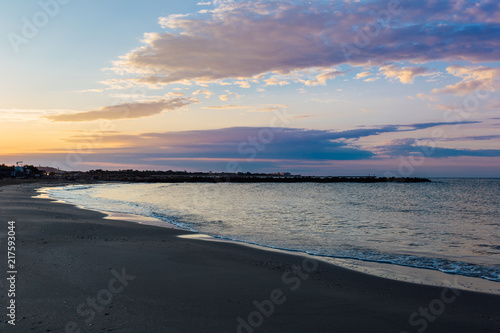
<point x="79" y="272"/>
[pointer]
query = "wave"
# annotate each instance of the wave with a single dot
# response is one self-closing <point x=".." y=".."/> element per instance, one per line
<point x="73" y="188"/>
<point x="438" y="264"/>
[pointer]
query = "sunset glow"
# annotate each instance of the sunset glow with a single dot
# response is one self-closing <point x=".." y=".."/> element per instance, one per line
<point x="391" y="87"/>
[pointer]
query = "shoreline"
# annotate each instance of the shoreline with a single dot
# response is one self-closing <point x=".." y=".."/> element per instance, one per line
<point x="390" y="271"/>
<point x="67" y="255"/>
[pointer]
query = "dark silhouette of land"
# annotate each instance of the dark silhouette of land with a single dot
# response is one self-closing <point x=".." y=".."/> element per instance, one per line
<point x="31" y="172"/>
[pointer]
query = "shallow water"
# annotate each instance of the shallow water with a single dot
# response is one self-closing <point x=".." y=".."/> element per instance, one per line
<point x="450" y="225"/>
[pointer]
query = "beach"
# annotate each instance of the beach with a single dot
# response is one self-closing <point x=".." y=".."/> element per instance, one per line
<point x="79" y="272"/>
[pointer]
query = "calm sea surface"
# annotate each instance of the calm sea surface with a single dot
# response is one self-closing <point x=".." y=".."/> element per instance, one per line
<point x="450" y="225"/>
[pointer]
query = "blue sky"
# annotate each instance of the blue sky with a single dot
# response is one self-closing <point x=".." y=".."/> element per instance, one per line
<point x="190" y="85"/>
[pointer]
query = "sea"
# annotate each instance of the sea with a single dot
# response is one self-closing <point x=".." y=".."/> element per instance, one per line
<point x="447" y="225"/>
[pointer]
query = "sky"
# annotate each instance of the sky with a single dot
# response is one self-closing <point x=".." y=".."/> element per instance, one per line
<point x="387" y="88"/>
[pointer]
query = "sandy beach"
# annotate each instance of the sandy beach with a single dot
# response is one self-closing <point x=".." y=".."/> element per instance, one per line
<point x="78" y="272"/>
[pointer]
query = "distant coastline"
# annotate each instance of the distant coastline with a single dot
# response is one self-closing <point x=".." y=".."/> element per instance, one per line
<point x="252" y="178"/>
<point x="32" y="172"/>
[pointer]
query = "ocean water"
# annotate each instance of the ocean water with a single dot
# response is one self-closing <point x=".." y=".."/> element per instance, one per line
<point x="449" y="225"/>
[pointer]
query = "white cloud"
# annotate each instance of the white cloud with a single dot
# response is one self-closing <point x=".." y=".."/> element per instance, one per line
<point x="176" y="94"/>
<point x="475" y="78"/>
<point x="275" y="82"/>
<point x="173" y="21"/>
<point x="227" y="94"/>
<point x="323" y="77"/>
<point x="243" y="84"/>
<point x="403" y="74"/>
<point x="362" y="75"/>
<point x="207" y="93"/>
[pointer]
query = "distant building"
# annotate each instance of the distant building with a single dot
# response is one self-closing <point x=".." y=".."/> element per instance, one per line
<point x="282" y="174"/>
<point x="18" y="171"/>
<point x="48" y="170"/>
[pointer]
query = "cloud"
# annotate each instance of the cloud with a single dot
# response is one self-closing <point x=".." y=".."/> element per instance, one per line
<point x="207" y="93"/>
<point x="248" y="144"/>
<point x="410" y="146"/>
<point x="371" y="79"/>
<point x="243" y="84"/>
<point x="291" y="149"/>
<point x="244" y="39"/>
<point x="236" y="143"/>
<point x="424" y="96"/>
<point x="365" y="132"/>
<point x="323" y="77"/>
<point x="270" y="108"/>
<point x="484" y="79"/>
<point x="228" y="94"/>
<point x="403" y="74"/>
<point x="26" y="115"/>
<point x="173" y="21"/>
<point x="231" y="106"/>
<point x="176" y="94"/>
<point x="124" y="111"/>
<point x="362" y="75"/>
<point x="449" y="107"/>
<point x="275" y="82"/>
<point x="474" y="138"/>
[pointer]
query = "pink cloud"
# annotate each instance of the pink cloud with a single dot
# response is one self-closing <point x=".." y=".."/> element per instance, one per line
<point x="245" y="39"/>
<point x="472" y="79"/>
<point x="403" y="74"/>
<point x="124" y="111"/>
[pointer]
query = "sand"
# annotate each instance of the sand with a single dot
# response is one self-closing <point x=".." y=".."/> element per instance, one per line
<point x="79" y="272"/>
